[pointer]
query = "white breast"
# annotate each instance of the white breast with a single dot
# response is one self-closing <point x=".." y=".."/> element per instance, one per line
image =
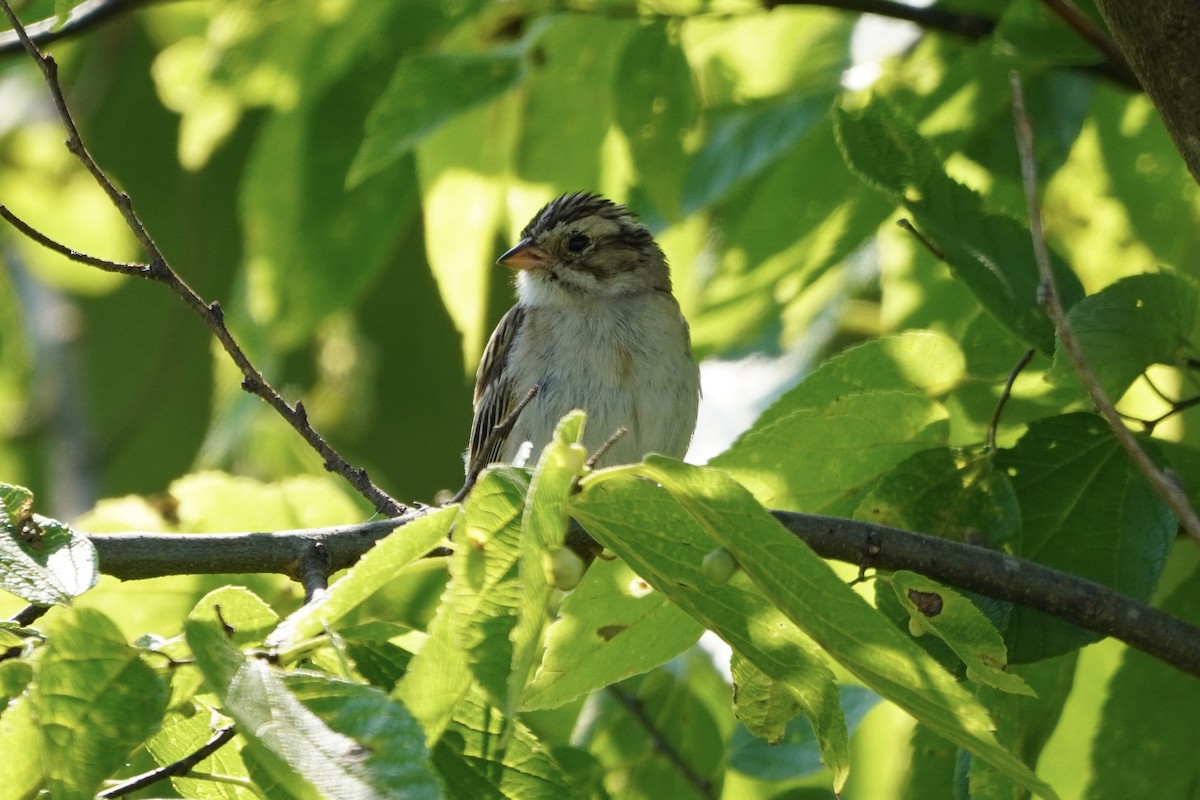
<point x="625" y="362"/>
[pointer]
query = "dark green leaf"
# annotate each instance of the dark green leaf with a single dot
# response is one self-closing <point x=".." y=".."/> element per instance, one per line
<point x="1084" y="510"/>
<point x="425" y="91"/>
<point x="655" y="105"/>
<point x="796" y="753"/>
<point x="953" y="494"/>
<point x="633" y="756"/>
<point x="1142" y="746"/>
<point x="1129" y="325"/>
<point x="745" y="141"/>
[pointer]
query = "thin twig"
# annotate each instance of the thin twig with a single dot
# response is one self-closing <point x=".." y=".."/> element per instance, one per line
<point x="83" y="17"/>
<point x="1176" y="408"/>
<point x="160" y="271"/>
<point x="930" y="246"/>
<point x="968" y="26"/>
<point x="1167" y="489"/>
<point x="497" y="434"/>
<point x="661" y="744"/>
<point x="181" y="767"/>
<point x="604" y="448"/>
<point x="120" y="267"/>
<point x="313" y="571"/>
<point x="1097" y="38"/>
<point x="29" y="615"/>
<point x="1008" y="384"/>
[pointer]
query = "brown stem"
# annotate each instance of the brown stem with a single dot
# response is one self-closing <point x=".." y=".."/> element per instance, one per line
<point x="1167" y="489"/>
<point x="160" y="271"/>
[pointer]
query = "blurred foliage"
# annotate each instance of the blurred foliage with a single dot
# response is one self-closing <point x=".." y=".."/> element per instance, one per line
<point x="340" y="175"/>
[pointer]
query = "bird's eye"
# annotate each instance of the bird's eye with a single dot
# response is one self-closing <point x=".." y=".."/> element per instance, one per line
<point x="578" y="242"/>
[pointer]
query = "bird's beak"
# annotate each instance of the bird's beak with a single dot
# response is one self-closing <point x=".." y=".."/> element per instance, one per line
<point x="524" y="255"/>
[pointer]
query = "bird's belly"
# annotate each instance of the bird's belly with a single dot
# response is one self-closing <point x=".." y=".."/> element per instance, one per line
<point x="617" y="390"/>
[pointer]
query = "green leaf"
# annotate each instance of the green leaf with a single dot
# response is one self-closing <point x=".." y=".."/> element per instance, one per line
<point x="608" y="629"/>
<point x="814" y="598"/>
<point x="856" y="439"/>
<point x="243" y="615"/>
<point x="763" y="705"/>
<point x="468" y="638"/>
<point x="794" y="752"/>
<point x="952" y="494"/>
<point x="568" y="102"/>
<point x="1024" y="723"/>
<point x="425" y="91"/>
<point x="1033" y="32"/>
<point x="743" y="142"/>
<point x="955" y="620"/>
<point x="1129" y="325"/>
<point x="543" y="533"/>
<point x="96" y="701"/>
<point x="472" y="766"/>
<point x="1146" y="724"/>
<point x="392" y="741"/>
<point x="463" y="175"/>
<point x="376" y="568"/>
<point x="294" y="744"/>
<point x="859" y="414"/>
<point x="655" y="105"/>
<point x="21" y="732"/>
<point x="183" y="734"/>
<point x="42" y="560"/>
<point x="632" y="755"/>
<point x="651" y="532"/>
<point x="774" y="250"/>
<point x="991" y="254"/>
<point x="1085" y="510"/>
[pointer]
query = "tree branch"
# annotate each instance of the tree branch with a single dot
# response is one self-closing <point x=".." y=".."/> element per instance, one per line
<point x="1159" y="38"/>
<point x="975" y="569"/>
<point x="160" y="271"/>
<point x="84" y="16"/>
<point x="219" y="739"/>
<point x="1169" y="490"/>
<point x="959" y="23"/>
<point x="1079" y="601"/>
<point x="133" y="556"/>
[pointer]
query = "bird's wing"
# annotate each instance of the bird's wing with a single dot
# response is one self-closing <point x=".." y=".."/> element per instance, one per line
<point x="494" y="394"/>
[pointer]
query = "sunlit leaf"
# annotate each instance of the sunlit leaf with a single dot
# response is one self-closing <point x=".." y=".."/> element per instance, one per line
<point x="939" y="610"/>
<point x="96" y="700"/>
<point x="42" y="560"/>
<point x="814" y="598"/>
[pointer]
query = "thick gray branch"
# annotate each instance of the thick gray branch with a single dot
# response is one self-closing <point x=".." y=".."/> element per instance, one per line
<point x="1081" y="602"/>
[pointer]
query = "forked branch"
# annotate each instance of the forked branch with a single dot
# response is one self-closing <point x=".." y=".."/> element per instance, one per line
<point x="159" y="270"/>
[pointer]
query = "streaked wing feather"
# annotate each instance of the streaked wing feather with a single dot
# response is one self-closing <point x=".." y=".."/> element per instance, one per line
<point x="494" y="398"/>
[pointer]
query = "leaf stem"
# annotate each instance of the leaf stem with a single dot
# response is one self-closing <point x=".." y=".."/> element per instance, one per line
<point x="1167" y="489"/>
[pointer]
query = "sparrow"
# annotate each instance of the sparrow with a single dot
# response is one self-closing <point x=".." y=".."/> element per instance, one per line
<point x="596" y="328"/>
